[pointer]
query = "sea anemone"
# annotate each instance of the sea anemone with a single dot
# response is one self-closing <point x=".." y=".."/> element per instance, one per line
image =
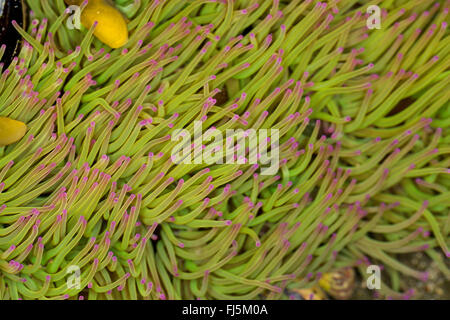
<point x="362" y="115"/>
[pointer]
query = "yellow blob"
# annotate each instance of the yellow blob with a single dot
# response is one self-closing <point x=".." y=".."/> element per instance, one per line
<point x="339" y="284"/>
<point x="111" y="26"/>
<point x="11" y="131"/>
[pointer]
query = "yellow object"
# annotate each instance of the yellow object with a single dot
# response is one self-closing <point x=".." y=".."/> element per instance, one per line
<point x="111" y="26"/>
<point x="339" y="284"/>
<point x="11" y="131"/>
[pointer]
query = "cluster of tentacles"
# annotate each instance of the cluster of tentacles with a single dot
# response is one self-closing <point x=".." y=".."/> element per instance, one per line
<point x="363" y="118"/>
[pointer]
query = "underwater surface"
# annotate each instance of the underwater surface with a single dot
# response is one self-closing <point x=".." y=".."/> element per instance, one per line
<point x="224" y="149"/>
